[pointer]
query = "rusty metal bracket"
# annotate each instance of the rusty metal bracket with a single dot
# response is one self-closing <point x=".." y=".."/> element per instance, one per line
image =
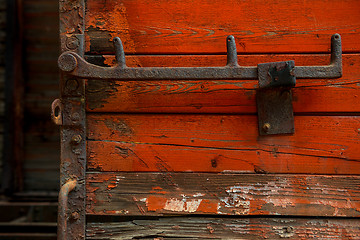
<point x="73" y="124"/>
<point x="274" y="99"/>
<point x="63" y="208"/>
<point x="275" y="79"/>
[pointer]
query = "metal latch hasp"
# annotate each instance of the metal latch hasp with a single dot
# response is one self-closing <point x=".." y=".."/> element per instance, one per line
<point x="274" y="97"/>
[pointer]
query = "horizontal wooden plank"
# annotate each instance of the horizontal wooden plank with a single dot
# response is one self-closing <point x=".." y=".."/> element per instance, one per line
<point x="224" y="194"/>
<point x="198" y="26"/>
<point x="218" y="143"/>
<point x="226" y="228"/>
<point x="315" y="95"/>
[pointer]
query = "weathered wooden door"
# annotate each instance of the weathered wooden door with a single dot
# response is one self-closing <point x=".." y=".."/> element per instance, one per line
<point x="169" y="158"/>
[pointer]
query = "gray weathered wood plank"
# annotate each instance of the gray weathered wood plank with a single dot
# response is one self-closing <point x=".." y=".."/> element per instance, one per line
<point x="226" y="228"/>
<point x="225" y="194"/>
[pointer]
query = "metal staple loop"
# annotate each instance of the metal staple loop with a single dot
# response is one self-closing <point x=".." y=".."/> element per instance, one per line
<point x="56" y="112"/>
<point x="77" y="66"/>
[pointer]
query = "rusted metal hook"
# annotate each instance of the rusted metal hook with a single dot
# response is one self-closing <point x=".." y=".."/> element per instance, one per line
<point x="63" y="208"/>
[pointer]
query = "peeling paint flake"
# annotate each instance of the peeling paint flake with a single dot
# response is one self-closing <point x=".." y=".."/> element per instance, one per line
<point x="155" y="203"/>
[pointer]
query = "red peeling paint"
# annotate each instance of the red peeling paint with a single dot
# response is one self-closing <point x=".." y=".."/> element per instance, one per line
<point x="111" y="186"/>
<point x="155" y="203"/>
<point x="159" y="192"/>
<point x="109" y="60"/>
<point x="208" y="206"/>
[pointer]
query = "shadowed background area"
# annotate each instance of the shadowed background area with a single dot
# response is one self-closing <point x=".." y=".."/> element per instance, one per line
<point x="29" y="148"/>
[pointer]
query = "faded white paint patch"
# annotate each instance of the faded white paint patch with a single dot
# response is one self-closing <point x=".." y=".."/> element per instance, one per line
<point x="143" y="200"/>
<point x="118" y="178"/>
<point x="240" y="196"/>
<point x="183" y="205"/>
<point x="198" y="195"/>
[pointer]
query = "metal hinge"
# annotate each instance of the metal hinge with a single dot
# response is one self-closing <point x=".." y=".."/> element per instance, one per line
<point x="274" y="102"/>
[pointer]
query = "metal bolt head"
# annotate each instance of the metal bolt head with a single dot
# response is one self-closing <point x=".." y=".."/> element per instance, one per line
<point x="72" y="84"/>
<point x="67" y="62"/>
<point x="75" y="216"/>
<point x="75" y="117"/>
<point x="266" y="127"/>
<point x="72" y="42"/>
<point x="76" y="139"/>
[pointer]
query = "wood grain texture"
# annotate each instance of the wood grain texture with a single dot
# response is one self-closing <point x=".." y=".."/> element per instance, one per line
<point x="315" y="95"/>
<point x="198" y="26"/>
<point x="217" y="143"/>
<point x="226" y="228"/>
<point x="224" y="194"/>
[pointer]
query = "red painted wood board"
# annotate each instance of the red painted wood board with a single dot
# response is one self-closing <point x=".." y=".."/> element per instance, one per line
<point x="198" y="26"/>
<point x="221" y="143"/>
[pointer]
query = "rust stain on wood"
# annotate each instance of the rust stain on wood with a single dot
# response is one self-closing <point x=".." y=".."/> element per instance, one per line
<point x="121" y="127"/>
<point x="99" y="93"/>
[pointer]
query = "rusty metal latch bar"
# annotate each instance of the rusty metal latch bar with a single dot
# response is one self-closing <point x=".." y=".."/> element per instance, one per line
<point x="77" y="66"/>
<point x="275" y="79"/>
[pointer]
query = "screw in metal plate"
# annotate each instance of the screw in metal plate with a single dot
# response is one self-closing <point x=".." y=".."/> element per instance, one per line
<point x="266" y="127"/>
<point x="75" y="117"/>
<point x="75" y="216"/>
<point x="72" y="84"/>
<point x="72" y="42"/>
<point x="76" y="139"/>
